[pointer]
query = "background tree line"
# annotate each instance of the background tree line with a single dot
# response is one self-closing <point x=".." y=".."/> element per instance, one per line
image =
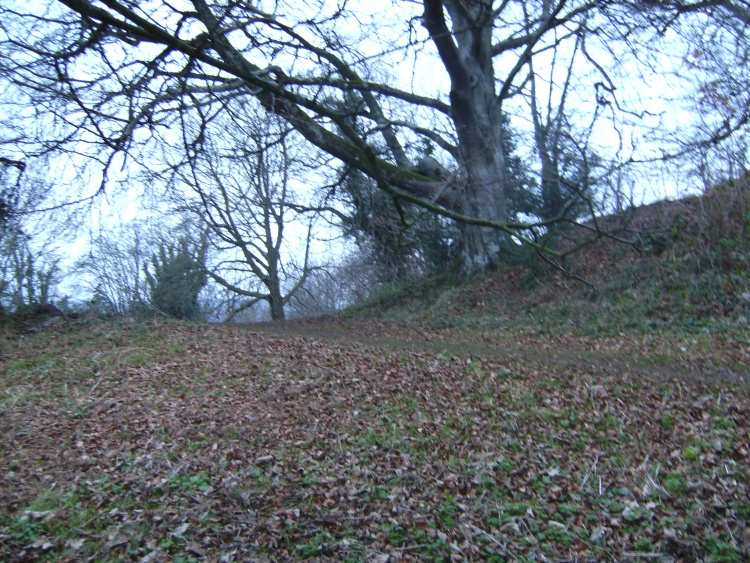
<point x="269" y="126"/>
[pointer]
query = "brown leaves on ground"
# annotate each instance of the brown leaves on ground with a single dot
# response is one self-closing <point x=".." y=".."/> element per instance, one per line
<point x="186" y="442"/>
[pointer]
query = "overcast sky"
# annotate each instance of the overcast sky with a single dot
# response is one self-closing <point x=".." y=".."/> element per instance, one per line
<point x="418" y="68"/>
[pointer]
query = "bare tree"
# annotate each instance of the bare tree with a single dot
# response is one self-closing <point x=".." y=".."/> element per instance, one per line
<point x="238" y="185"/>
<point x="28" y="275"/>
<point x="29" y="267"/>
<point x="116" y="69"/>
<point x="550" y="124"/>
<point x="113" y="269"/>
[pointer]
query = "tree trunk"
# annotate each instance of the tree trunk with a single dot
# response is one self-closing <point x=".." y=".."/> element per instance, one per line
<point x="478" y="123"/>
<point x="275" y="298"/>
<point x="277" y="306"/>
<point x="467" y="55"/>
<point x="484" y="198"/>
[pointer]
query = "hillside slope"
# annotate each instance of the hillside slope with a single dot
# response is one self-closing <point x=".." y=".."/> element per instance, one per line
<point x="688" y="268"/>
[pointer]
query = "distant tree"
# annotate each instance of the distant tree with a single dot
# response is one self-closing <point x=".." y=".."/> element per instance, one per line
<point x="322" y="294"/>
<point x="352" y="279"/>
<point x="29" y="271"/>
<point x="566" y="163"/>
<point x="175" y="276"/>
<point x="9" y="192"/>
<point x="28" y="276"/>
<point x="224" y="305"/>
<point x="237" y="184"/>
<point x="114" y="269"/>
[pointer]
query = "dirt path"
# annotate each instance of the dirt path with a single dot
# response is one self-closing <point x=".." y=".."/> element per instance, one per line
<point x="721" y="358"/>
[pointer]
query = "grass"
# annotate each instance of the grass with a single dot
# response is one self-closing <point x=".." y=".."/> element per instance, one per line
<point x="687" y="276"/>
<point x="191" y="483"/>
<point x="192" y="441"/>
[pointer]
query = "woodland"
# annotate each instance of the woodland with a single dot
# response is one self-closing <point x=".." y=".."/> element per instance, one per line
<point x="345" y="280"/>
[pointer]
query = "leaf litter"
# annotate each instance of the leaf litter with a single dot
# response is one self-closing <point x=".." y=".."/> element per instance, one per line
<point x="185" y="442"/>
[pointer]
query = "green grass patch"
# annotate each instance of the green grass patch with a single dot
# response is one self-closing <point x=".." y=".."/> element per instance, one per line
<point x="197" y="482"/>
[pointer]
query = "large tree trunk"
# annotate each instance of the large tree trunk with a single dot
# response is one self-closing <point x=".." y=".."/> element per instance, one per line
<point x="466" y="53"/>
<point x="276" y="303"/>
<point x="481" y="246"/>
<point x="484" y="197"/>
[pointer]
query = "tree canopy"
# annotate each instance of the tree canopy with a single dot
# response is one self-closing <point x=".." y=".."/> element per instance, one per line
<point x="118" y="78"/>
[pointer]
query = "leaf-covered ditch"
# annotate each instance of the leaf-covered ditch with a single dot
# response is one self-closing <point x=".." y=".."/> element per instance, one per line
<point x="188" y="443"/>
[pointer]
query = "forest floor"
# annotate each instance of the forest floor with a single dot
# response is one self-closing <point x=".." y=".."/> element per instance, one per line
<point x="369" y="441"/>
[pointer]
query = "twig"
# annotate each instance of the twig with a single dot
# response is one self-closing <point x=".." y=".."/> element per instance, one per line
<point x="96" y="384"/>
<point x="492" y="538"/>
<point x="565" y="271"/>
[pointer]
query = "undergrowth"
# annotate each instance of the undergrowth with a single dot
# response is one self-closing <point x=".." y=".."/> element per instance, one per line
<point x="687" y="271"/>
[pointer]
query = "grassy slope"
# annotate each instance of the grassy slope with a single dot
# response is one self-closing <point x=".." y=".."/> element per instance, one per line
<point x="189" y="442"/>
<point x="688" y="272"/>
